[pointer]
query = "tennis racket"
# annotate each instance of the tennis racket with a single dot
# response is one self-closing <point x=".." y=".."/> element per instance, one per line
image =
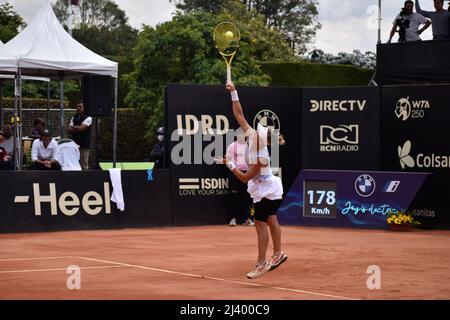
<point x="226" y="38"/>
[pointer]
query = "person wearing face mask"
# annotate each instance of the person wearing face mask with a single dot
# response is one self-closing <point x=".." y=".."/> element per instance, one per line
<point x="157" y="154"/>
<point x="239" y="204"/>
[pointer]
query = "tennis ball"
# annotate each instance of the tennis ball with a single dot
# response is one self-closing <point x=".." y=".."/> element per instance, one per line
<point x="229" y="35"/>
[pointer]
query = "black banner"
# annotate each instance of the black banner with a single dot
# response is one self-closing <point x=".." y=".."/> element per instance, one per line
<point x="414" y="128"/>
<point x="413" y="62"/>
<point x="48" y="201"/>
<point x="199" y="187"/>
<point x="414" y="137"/>
<point x="340" y="128"/>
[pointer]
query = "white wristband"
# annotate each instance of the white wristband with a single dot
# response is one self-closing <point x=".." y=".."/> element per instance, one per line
<point x="231" y="165"/>
<point x="234" y="95"/>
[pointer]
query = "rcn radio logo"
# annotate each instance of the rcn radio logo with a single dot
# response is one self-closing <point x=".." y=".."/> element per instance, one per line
<point x="411" y="109"/>
<point x="421" y="160"/>
<point x="340" y="138"/>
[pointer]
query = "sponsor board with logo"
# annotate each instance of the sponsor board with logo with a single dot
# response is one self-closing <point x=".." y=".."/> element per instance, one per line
<point x="414" y="138"/>
<point x="340" y="128"/>
<point x="205" y="113"/>
<point x="414" y="128"/>
<point x="348" y="198"/>
<point x="46" y="201"/>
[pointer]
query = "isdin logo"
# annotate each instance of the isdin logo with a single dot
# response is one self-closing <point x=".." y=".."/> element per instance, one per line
<point x="403" y="153"/>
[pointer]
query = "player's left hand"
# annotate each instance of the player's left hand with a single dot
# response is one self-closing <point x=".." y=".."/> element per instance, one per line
<point x="220" y="160"/>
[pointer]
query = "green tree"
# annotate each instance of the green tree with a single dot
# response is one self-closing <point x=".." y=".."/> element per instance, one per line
<point x="10" y="23"/>
<point x="182" y="51"/>
<point x="94" y="13"/>
<point x="103" y="28"/>
<point x="296" y="19"/>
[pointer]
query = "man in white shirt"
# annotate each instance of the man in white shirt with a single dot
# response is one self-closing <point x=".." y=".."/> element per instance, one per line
<point x="408" y="23"/>
<point x="80" y="130"/>
<point x="45" y="153"/>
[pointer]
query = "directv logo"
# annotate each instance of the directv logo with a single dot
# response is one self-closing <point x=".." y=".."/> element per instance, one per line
<point x="391" y="186"/>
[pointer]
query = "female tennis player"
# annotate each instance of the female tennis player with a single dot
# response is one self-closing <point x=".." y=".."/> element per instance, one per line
<point x="264" y="188"/>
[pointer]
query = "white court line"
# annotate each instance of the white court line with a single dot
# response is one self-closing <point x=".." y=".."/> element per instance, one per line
<point x="42" y="258"/>
<point x="59" y="269"/>
<point x="220" y="279"/>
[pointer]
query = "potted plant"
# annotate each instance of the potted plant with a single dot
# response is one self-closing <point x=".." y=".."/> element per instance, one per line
<point x="401" y="221"/>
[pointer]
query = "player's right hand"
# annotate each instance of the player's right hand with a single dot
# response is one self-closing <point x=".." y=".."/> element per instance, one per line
<point x="230" y="86"/>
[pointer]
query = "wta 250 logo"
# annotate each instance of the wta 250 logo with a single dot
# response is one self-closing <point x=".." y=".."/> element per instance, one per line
<point x="411" y="109"/>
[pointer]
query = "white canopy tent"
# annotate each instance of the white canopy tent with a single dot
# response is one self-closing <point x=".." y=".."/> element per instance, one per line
<point x="45" y="49"/>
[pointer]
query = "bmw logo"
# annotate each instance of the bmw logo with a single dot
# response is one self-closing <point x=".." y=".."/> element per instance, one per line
<point x="267" y="118"/>
<point x="365" y="185"/>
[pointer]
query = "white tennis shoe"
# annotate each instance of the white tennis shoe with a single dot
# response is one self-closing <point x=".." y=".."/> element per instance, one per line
<point x="259" y="270"/>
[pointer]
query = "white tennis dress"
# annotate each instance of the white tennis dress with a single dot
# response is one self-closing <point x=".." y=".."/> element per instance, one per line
<point x="264" y="185"/>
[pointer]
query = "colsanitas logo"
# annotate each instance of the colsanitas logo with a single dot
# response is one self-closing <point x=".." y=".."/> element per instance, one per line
<point x="343" y="138"/>
<point x="421" y="160"/>
<point x="203" y="186"/>
<point x="423" y="213"/>
<point x="414" y="109"/>
<point x="337" y="105"/>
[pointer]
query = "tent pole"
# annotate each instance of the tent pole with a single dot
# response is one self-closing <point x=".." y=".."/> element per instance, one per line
<point x="16" y="100"/>
<point x="19" y="122"/>
<point x="1" y="104"/>
<point x="379" y="21"/>
<point x="116" y="83"/>
<point x="69" y="19"/>
<point x="61" y="107"/>
<point x="48" y="105"/>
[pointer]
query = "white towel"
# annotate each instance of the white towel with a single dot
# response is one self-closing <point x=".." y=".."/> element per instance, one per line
<point x="117" y="193"/>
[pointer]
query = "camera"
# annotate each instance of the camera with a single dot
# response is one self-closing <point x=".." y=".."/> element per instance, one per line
<point x="402" y="23"/>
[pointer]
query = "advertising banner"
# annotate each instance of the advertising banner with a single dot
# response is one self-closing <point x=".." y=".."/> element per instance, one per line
<point x="415" y="138"/>
<point x="200" y="126"/>
<point x="71" y="200"/>
<point x="348" y="198"/>
<point x="340" y="128"/>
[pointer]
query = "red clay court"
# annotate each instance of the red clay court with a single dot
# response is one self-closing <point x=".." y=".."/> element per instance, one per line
<point x="210" y="263"/>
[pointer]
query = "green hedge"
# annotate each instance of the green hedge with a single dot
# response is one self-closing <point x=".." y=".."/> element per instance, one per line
<point x="132" y="144"/>
<point x="32" y="103"/>
<point x="305" y="74"/>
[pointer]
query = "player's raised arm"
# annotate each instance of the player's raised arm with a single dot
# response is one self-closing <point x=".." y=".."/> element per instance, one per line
<point x="237" y="108"/>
